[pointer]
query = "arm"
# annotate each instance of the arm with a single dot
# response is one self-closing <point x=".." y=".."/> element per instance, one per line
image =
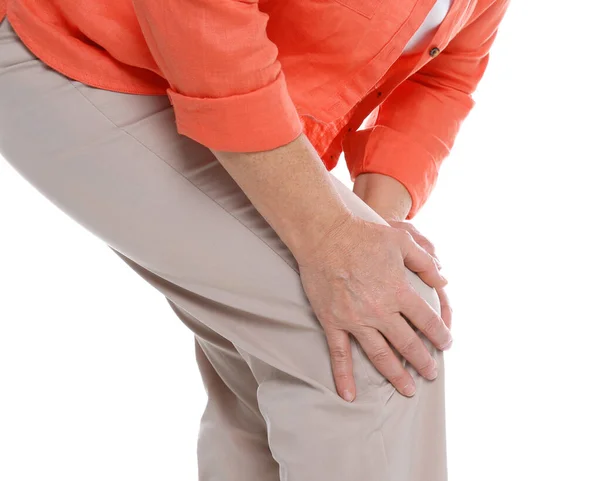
<point x="385" y="195"/>
<point x="226" y="85"/>
<point x="228" y="93"/>
<point x="414" y="129"/>
<point x="292" y="190"/>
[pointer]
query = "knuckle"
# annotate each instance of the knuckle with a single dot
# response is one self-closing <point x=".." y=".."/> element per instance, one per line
<point x="408" y="345"/>
<point x="378" y="307"/>
<point x="407" y="297"/>
<point x="342" y="376"/>
<point x="360" y="328"/>
<point x="351" y="323"/>
<point x="344" y="319"/>
<point x="380" y="356"/>
<point x="431" y="324"/>
<point x="329" y="320"/>
<point x="339" y="355"/>
<point x="404" y="236"/>
<point x="366" y="335"/>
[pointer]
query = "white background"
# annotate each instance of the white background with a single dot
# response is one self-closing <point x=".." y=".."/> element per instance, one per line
<point x="98" y="377"/>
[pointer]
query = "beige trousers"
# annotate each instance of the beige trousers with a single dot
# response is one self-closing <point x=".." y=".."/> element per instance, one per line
<point x="115" y="163"/>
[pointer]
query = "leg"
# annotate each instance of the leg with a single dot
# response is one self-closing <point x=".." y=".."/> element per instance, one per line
<point x="163" y="203"/>
<point x="232" y="440"/>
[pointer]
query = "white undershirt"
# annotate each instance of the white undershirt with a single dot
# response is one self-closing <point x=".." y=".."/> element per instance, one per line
<point x="427" y="30"/>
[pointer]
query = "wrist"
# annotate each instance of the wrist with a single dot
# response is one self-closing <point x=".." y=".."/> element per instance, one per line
<point x="306" y="238"/>
<point x="291" y="189"/>
<point x="384" y="194"/>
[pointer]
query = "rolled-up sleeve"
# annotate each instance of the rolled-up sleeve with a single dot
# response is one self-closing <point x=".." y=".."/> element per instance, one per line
<point x="414" y="129"/>
<point x="226" y="85"/>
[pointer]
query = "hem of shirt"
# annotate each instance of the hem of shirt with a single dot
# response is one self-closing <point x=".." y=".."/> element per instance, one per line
<point x="70" y="72"/>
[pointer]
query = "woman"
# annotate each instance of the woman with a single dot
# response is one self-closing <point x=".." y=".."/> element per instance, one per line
<point x="169" y="130"/>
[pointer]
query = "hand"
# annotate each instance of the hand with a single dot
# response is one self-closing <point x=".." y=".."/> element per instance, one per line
<point x="429" y="247"/>
<point x="392" y="201"/>
<point x="357" y="284"/>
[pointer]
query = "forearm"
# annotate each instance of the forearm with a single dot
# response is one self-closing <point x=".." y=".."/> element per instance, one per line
<point x="384" y="194"/>
<point x="292" y="190"/>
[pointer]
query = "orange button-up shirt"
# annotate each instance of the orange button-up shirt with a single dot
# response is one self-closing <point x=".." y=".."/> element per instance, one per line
<point x="250" y="75"/>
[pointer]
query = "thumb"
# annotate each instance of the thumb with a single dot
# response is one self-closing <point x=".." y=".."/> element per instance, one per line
<point x="423" y="264"/>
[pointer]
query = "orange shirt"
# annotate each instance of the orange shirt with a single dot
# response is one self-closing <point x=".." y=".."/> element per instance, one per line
<point x="249" y="75"/>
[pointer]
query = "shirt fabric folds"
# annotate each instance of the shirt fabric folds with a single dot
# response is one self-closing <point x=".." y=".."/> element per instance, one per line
<point x="250" y="75"/>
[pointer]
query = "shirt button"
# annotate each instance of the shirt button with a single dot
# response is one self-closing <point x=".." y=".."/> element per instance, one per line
<point x="434" y="52"/>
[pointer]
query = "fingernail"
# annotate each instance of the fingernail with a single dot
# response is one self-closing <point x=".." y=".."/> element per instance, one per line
<point x="347" y="395"/>
<point x="447" y="345"/>
<point x="409" y="389"/>
<point x="443" y="279"/>
<point x="433" y="372"/>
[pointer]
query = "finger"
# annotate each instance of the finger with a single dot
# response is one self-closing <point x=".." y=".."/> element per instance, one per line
<point x="424" y="318"/>
<point x="341" y="363"/>
<point x="421" y="263"/>
<point x="385" y="361"/>
<point x="445" y="307"/>
<point x="407" y="226"/>
<point x="423" y="241"/>
<point x="426" y="244"/>
<point x="410" y="346"/>
<point x="420" y="239"/>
